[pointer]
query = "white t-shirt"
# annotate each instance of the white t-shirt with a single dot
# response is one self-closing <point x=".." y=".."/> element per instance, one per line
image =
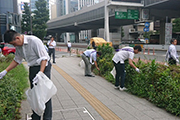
<point x="123" y="54"/>
<point x="172" y="52"/>
<point x="69" y="44"/>
<point x="53" y="43"/>
<point x="91" y="53"/>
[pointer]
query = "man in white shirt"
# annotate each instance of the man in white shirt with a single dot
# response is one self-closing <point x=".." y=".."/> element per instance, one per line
<point x="171" y="54"/>
<point x="69" y="46"/>
<point x="126" y="53"/>
<point x="52" y="44"/>
<point x="87" y="57"/>
<point x="31" y="49"/>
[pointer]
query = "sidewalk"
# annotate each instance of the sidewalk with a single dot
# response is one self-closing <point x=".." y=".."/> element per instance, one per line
<point x="93" y="98"/>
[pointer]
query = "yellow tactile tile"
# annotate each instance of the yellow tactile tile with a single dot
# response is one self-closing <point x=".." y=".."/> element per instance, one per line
<point x="103" y="110"/>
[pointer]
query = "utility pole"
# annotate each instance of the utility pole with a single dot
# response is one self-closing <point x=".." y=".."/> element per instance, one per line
<point x="67" y="12"/>
<point x="106" y="21"/>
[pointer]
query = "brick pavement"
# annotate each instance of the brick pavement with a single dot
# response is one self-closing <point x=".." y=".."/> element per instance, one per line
<point x="71" y="104"/>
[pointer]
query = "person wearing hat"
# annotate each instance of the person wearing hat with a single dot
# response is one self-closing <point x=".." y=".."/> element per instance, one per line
<point x="171" y="55"/>
<point x="126" y="53"/>
<point x="88" y="56"/>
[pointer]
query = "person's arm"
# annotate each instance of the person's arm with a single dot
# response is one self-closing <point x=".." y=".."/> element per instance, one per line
<point x="12" y="65"/>
<point x="50" y="43"/>
<point x="43" y="65"/>
<point x="96" y="65"/>
<point x="131" y="63"/>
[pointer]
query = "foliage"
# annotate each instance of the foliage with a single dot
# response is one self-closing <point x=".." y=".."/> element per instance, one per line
<point x="157" y="83"/>
<point x="176" y="25"/>
<point x="105" y="62"/>
<point x="25" y="23"/>
<point x="148" y="34"/>
<point x="12" y="88"/>
<point x="122" y="32"/>
<point x="41" y="16"/>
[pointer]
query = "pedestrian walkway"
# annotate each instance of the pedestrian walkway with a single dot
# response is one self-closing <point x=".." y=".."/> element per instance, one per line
<point x="93" y="98"/>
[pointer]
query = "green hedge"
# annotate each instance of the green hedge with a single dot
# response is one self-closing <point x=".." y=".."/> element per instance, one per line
<point x="12" y="88"/>
<point x="157" y="83"/>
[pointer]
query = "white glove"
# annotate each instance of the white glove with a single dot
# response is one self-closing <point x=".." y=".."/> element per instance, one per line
<point x="2" y="74"/>
<point x="137" y="70"/>
<point x="177" y="60"/>
<point x="166" y="64"/>
<point x="35" y="80"/>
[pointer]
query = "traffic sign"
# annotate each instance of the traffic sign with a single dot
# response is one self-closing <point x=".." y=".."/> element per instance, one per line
<point x="147" y="24"/>
<point x="120" y="15"/>
<point x="132" y="14"/>
<point x="146" y="29"/>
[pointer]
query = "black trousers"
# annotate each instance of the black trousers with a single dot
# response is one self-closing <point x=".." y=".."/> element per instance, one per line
<point x="52" y="51"/>
<point x="172" y="61"/>
<point x="48" y="110"/>
<point x="120" y="72"/>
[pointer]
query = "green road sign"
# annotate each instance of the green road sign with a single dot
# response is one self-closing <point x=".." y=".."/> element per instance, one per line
<point x="132" y="14"/>
<point x="120" y="15"/>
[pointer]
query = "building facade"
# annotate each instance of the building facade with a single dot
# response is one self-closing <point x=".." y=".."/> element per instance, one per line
<point x="9" y="17"/>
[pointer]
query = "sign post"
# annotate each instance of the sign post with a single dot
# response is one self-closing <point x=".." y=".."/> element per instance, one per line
<point x="146" y="29"/>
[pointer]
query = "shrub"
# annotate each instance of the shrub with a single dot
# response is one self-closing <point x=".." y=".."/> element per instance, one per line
<point x="105" y="62"/>
<point x="157" y="83"/>
<point x="12" y="90"/>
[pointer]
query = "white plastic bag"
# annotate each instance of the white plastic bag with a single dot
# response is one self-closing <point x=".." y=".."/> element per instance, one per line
<point x="42" y="91"/>
<point x="113" y="72"/>
<point x="82" y="64"/>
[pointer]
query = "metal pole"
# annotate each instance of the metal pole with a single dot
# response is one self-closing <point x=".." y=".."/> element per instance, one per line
<point x="67" y="12"/>
<point x="30" y="18"/>
<point x="106" y="21"/>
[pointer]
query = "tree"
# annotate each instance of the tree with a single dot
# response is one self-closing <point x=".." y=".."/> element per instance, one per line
<point x="122" y="32"/>
<point x="176" y="25"/>
<point x="41" y="16"/>
<point x="25" y="23"/>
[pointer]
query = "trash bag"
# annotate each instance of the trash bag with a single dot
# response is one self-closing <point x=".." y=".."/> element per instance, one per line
<point x="113" y="72"/>
<point x="82" y="64"/>
<point x="41" y="92"/>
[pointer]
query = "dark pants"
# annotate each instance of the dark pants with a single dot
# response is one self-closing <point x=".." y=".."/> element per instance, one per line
<point x="120" y="72"/>
<point x="52" y="51"/>
<point x="172" y="61"/>
<point x="69" y="48"/>
<point x="48" y="110"/>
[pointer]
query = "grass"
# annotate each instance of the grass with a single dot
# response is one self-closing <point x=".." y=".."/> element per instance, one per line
<point x="12" y="89"/>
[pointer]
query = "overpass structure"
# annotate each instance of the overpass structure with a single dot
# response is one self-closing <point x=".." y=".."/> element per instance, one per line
<point x="103" y="15"/>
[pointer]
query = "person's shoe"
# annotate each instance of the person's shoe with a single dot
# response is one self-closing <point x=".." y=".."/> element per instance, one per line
<point x="122" y="89"/>
<point x="90" y="75"/>
<point x="116" y="87"/>
<point x="54" y="62"/>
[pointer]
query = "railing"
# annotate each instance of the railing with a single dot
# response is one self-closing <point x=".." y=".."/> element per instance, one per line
<point x="133" y="1"/>
<point x="150" y="2"/>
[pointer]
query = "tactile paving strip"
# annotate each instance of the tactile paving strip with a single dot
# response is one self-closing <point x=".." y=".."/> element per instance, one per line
<point x="103" y="110"/>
